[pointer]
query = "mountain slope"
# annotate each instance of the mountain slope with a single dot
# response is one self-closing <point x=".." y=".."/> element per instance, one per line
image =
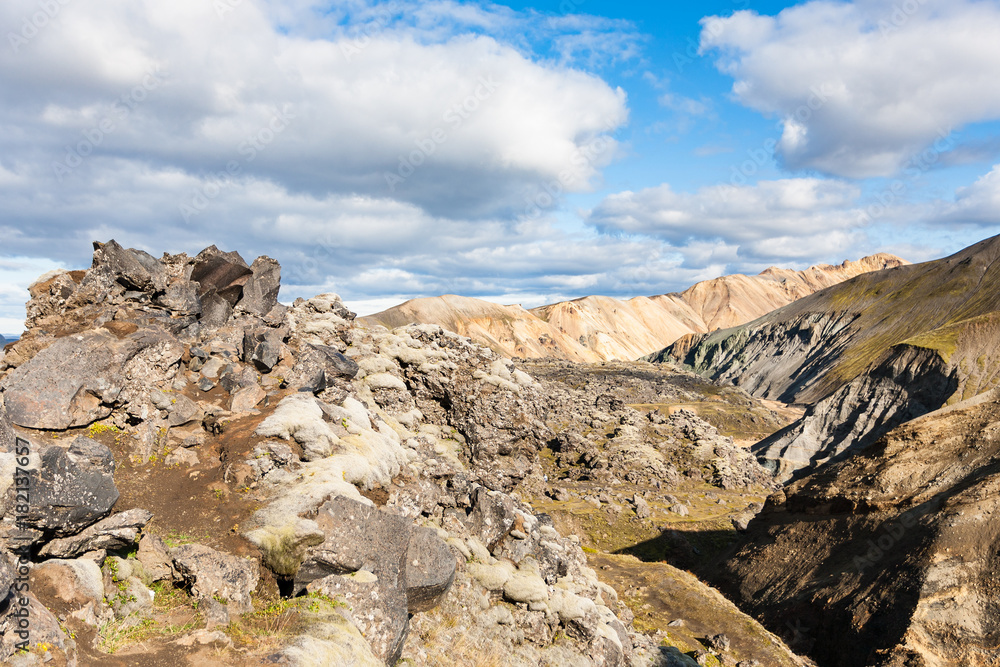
<point x="866" y="355"/>
<point x="599" y="328"/>
<point x="889" y="558"/>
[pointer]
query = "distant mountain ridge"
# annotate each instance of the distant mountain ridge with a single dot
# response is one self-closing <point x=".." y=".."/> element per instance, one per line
<point x="600" y="328"/>
<point x="865" y="355"/>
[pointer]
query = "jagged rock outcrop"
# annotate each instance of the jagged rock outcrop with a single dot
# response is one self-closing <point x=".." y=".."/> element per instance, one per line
<point x="865" y="355"/>
<point x="887" y="558"/>
<point x="599" y="328"/>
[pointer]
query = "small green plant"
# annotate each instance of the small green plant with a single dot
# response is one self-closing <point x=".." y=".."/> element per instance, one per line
<point x="176" y="539"/>
<point x="97" y="429"/>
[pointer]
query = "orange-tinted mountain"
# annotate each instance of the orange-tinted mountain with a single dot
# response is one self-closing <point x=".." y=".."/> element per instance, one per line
<point x="600" y="328"/>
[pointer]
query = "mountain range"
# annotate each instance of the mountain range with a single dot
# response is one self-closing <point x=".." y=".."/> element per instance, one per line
<point x="600" y="328"/>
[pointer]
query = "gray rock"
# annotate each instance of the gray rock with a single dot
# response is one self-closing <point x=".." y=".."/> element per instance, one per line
<point x="318" y="366"/>
<point x="129" y="268"/>
<point x="6" y="578"/>
<point x="181" y="298"/>
<point x="718" y="643"/>
<point x="183" y="410"/>
<point x="680" y="509"/>
<point x="430" y="570"/>
<point x="78" y="379"/>
<point x="212" y="573"/>
<point x="672" y="657"/>
<point x="155" y="558"/>
<point x="8" y="439"/>
<point x="492" y="516"/>
<point x="215" y="310"/>
<point x="116" y="532"/>
<point x="124" y="589"/>
<point x="224" y="272"/>
<point x="181" y="457"/>
<point x="73" y="586"/>
<point x="642" y="509"/>
<point x="206" y="384"/>
<point x="72" y="489"/>
<point x="44" y="628"/>
<point x="262" y="348"/>
<point x="246" y="399"/>
<point x="260" y="293"/>
<point x="213" y="367"/>
<point x="360" y="537"/>
<point x="238" y="376"/>
<point x="214" y="612"/>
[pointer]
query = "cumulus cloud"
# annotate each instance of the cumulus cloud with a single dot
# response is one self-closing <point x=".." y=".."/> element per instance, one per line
<point x="463" y="125"/>
<point x="861" y="87"/>
<point x="750" y="216"/>
<point x="977" y="204"/>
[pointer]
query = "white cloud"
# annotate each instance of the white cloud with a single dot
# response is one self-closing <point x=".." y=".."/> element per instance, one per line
<point x="860" y="87"/>
<point x="977" y="204"/>
<point x="16" y="274"/>
<point x="174" y="84"/>
<point x="747" y="215"/>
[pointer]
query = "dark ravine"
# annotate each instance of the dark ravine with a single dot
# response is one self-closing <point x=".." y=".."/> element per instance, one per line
<point x="888" y="558"/>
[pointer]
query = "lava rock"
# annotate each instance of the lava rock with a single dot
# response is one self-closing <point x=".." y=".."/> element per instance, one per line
<point x="260" y="293"/>
<point x="115" y="532"/>
<point x="213" y="574"/>
<point x="262" y="348"/>
<point x="72" y="489"/>
<point x="430" y="570"/>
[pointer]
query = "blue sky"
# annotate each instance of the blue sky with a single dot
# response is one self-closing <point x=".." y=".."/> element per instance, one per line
<point x="519" y="152"/>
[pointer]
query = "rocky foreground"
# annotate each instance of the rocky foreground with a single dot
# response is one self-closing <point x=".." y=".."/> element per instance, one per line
<point x="197" y="474"/>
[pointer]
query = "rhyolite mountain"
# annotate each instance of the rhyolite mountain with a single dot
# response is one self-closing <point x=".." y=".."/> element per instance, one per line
<point x="600" y="328"/>
<point x="865" y="355"/>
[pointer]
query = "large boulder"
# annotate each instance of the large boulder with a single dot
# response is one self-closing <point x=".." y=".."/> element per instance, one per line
<point x="381" y="566"/>
<point x="78" y="379"/>
<point x="71" y="489"/>
<point x="260" y="293"/>
<point x="213" y="574"/>
<point x="133" y="269"/>
<point x="225" y="273"/>
<point x="116" y="532"/>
